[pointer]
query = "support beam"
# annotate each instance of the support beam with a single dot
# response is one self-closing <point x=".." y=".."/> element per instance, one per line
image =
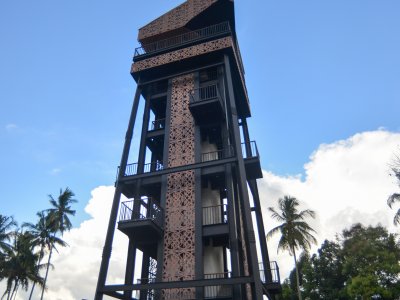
<point x="130" y="268"/>
<point x="178" y="284"/>
<point x="117" y="196"/>
<point x="248" y="224"/>
<point x="181" y="169"/>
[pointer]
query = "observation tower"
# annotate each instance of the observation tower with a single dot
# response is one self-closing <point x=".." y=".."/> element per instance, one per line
<point x="193" y="206"/>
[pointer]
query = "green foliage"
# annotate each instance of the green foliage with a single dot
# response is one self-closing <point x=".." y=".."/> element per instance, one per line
<point x="43" y="233"/>
<point x="58" y="219"/>
<point x="362" y="264"/>
<point x="7" y="225"/>
<point x="295" y="232"/>
<point x="288" y="291"/>
<point x="371" y="261"/>
<point x="21" y="251"/>
<point x="395" y="197"/>
<point x="20" y="266"/>
<point x="61" y="210"/>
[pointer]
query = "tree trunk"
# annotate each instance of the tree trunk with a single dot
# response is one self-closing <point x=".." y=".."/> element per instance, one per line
<point x="33" y="287"/>
<point x="47" y="272"/>
<point x="297" y="274"/>
<point x="15" y="287"/>
<point x="9" y="292"/>
<point x="16" y="292"/>
<point x="38" y="264"/>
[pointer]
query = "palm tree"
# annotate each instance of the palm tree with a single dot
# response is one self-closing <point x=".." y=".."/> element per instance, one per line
<point x="6" y="232"/>
<point x="6" y="224"/>
<point x="43" y="237"/>
<point x="21" y="266"/>
<point x="59" y="220"/>
<point x="396" y="196"/>
<point x="295" y="232"/>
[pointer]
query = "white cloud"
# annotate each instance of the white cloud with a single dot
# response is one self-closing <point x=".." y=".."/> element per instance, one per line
<point x="346" y="182"/>
<point x="55" y="171"/>
<point x="10" y="127"/>
<point x="77" y="266"/>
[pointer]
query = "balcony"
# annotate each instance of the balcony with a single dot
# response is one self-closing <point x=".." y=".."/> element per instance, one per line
<point x="215" y="224"/>
<point x="147" y="294"/>
<point x="213" y="215"/>
<point x="143" y="220"/>
<point x="157" y="124"/>
<point x="251" y="160"/>
<point x="183" y="40"/>
<point x="155" y="137"/>
<point x="218" y="154"/>
<point x="218" y="291"/>
<point x="271" y="278"/>
<point x="132" y="169"/>
<point x="206" y="104"/>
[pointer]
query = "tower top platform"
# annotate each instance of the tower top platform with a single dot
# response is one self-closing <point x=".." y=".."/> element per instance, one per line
<point x="189" y="16"/>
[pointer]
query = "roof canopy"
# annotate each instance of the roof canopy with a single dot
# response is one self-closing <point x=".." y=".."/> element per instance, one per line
<point x="186" y="17"/>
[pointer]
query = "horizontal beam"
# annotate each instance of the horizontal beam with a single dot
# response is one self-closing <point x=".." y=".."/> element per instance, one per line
<point x="181" y="73"/>
<point x="115" y="295"/>
<point x="179" y="169"/>
<point x="177" y="284"/>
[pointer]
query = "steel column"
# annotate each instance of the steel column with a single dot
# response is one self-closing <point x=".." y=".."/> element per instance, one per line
<point x="117" y="196"/>
<point x="248" y="224"/>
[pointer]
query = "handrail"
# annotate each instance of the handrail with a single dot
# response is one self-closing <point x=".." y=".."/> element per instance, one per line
<point x="218" y="275"/>
<point x="249" y="149"/>
<point x="217" y="154"/>
<point x="216" y="214"/>
<point x="274" y="271"/>
<point x="185" y="38"/>
<point x="142" y="209"/>
<point x="157" y="124"/>
<point x="132" y="169"/>
<point x="204" y="93"/>
<point x="217" y="291"/>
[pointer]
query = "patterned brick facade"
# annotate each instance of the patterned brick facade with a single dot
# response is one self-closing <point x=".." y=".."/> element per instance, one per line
<point x="179" y="236"/>
<point x="174" y="19"/>
<point x="182" y="54"/>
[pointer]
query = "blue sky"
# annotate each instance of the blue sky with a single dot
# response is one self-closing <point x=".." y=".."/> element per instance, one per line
<point x="316" y="71"/>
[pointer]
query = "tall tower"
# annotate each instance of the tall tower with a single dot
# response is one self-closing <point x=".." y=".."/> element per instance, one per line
<point x="189" y="210"/>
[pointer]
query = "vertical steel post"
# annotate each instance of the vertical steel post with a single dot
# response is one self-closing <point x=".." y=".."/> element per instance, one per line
<point x="258" y="213"/>
<point x="248" y="224"/>
<point x="117" y="196"/>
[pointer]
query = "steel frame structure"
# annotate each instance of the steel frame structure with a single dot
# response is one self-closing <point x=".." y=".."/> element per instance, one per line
<point x="169" y="81"/>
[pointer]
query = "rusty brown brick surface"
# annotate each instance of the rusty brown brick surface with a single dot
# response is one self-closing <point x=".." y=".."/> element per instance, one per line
<point x="174" y="19"/>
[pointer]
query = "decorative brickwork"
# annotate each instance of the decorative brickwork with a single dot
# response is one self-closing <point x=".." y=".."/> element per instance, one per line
<point x="179" y="235"/>
<point x="174" y="19"/>
<point x="182" y="54"/>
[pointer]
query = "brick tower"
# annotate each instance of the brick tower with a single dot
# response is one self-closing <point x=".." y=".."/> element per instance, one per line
<point x="189" y="210"/>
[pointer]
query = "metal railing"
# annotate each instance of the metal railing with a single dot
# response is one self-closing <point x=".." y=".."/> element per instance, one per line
<point x="145" y="280"/>
<point x="204" y="93"/>
<point x="147" y="294"/>
<point x="157" y="124"/>
<point x="217" y="291"/>
<point x="216" y="214"/>
<point x="141" y="209"/>
<point x="218" y="154"/>
<point x="274" y="271"/>
<point x="185" y="38"/>
<point x="249" y="149"/>
<point x="132" y="169"/>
